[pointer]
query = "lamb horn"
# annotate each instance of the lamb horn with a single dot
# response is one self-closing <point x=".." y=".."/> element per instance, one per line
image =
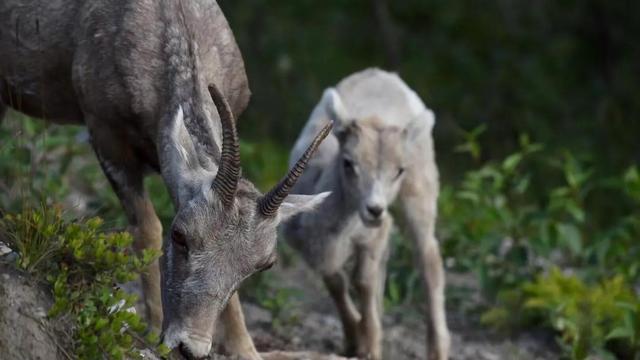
<point x="226" y="181"/>
<point x="268" y="204"/>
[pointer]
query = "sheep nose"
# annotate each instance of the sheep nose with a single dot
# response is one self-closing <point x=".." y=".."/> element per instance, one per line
<point x="375" y="210"/>
<point x="186" y="353"/>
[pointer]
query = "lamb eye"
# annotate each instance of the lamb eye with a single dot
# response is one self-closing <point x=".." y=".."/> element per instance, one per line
<point x="179" y="239"/>
<point x="400" y="172"/>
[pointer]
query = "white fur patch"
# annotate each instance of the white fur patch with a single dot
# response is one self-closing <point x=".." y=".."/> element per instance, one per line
<point x="416" y="105"/>
<point x="176" y="132"/>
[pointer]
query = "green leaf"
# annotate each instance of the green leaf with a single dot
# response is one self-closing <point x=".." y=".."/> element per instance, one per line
<point x="22" y="155"/>
<point x="100" y="323"/>
<point x="620" y="333"/>
<point x="511" y="162"/>
<point x="569" y="234"/>
<point x="576" y="212"/>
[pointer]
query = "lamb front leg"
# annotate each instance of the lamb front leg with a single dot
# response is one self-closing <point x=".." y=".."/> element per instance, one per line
<point x="371" y="256"/>
<point x="338" y="286"/>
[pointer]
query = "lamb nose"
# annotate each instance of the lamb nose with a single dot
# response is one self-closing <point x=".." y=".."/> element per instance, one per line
<point x="375" y="210"/>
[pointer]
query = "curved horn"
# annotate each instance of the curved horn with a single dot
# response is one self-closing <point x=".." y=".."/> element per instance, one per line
<point x="268" y="204"/>
<point x="226" y="181"/>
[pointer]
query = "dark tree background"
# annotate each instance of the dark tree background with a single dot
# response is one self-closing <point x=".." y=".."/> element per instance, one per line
<point x="565" y="72"/>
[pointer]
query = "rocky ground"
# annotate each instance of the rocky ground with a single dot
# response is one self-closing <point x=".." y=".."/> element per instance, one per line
<point x="25" y="331"/>
<point x="312" y="324"/>
<point x="304" y="326"/>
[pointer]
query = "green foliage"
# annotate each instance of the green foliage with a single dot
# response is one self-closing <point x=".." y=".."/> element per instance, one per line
<point x="507" y="234"/>
<point x="403" y="285"/>
<point x="27" y="148"/>
<point x="275" y="298"/>
<point x="495" y="225"/>
<point x="30" y="233"/>
<point x="264" y="163"/>
<point x="490" y="220"/>
<point x="588" y="317"/>
<point x="82" y="265"/>
<point x="471" y="144"/>
<point x="43" y="164"/>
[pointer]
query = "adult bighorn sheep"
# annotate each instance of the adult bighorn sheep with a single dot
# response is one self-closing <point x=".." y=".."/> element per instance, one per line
<point x="381" y="149"/>
<point x="156" y="83"/>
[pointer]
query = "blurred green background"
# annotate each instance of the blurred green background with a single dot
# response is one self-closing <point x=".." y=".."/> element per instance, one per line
<point x="563" y="71"/>
<point x="537" y="106"/>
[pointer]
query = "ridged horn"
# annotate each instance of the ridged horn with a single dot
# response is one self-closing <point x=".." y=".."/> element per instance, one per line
<point x="269" y="203"/>
<point x="226" y="181"/>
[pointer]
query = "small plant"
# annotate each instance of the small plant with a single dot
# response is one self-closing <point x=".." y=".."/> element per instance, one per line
<point x="273" y="297"/>
<point x="83" y="266"/>
<point x="30" y="233"/>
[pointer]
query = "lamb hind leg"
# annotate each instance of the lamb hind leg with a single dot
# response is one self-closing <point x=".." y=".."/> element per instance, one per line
<point x="419" y="202"/>
<point x="338" y="286"/>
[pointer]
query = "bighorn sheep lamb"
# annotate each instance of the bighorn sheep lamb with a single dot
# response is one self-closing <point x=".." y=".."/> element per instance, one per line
<point x="138" y="74"/>
<point x="381" y="149"/>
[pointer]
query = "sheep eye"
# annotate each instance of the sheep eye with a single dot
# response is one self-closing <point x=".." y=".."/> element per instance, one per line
<point x="349" y="165"/>
<point x="400" y="172"/>
<point x="179" y="239"/>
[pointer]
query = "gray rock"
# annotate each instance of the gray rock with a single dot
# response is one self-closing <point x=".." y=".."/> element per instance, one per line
<point x="25" y="331"/>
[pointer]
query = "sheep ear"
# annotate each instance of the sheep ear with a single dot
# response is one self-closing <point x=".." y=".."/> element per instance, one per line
<point x="182" y="166"/>
<point x="296" y="204"/>
<point x="183" y="150"/>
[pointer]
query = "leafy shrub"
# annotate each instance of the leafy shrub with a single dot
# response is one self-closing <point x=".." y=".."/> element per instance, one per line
<point x="83" y="265"/>
<point x="511" y="220"/>
<point x="495" y="225"/>
<point x="489" y="221"/>
<point x="588" y="317"/>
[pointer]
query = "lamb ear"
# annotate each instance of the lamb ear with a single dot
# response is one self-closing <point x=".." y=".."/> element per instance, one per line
<point x="344" y="123"/>
<point x="421" y="125"/>
<point x="336" y="111"/>
<point x="296" y="204"/>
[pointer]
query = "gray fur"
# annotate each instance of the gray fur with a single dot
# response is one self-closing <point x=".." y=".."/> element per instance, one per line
<point x="381" y="151"/>
<point x="136" y="73"/>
